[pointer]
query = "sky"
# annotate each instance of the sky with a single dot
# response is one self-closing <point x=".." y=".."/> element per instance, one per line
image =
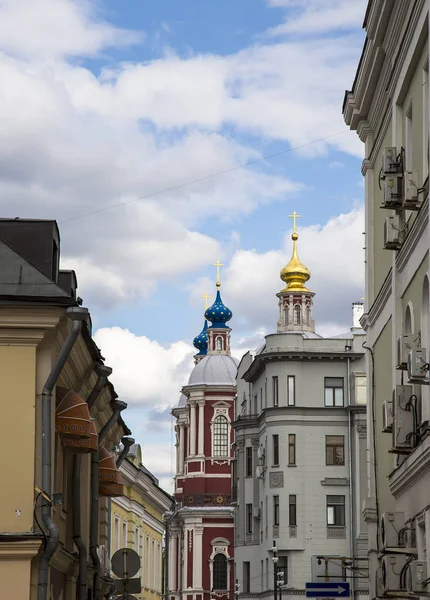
<point x="165" y="135"/>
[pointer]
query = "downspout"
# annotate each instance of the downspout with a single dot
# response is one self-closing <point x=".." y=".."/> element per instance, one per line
<point x="103" y="373"/>
<point x="94" y="528"/>
<point x="351" y="487"/>
<point x="77" y="314"/>
<point x="127" y="443"/>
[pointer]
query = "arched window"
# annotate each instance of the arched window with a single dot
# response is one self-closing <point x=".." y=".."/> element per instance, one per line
<point x="308" y="315"/>
<point x="220" y="572"/>
<point x="220" y="433"/>
<point x="287" y="314"/>
<point x="297" y="314"/>
<point x="409" y="319"/>
<point x="218" y="343"/>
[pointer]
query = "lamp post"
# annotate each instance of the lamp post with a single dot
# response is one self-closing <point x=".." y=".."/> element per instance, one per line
<point x="275" y="559"/>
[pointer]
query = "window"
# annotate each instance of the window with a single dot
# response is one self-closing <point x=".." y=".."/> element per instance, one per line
<point x="261" y="400"/>
<point x="267" y="573"/>
<point x="426" y="101"/>
<point x="291" y="390"/>
<point x="275" y="510"/>
<point x="220" y="572"/>
<point x="275" y="388"/>
<point x="308" y="315"/>
<point x="292" y="511"/>
<point x="117" y="541"/>
<point x="360" y="389"/>
<point x="275" y="447"/>
<point x="333" y="392"/>
<point x="219" y="344"/>
<point x="336" y="510"/>
<point x="147" y="569"/>
<point x="154" y="570"/>
<point x="220" y="436"/>
<point x="291" y="449"/>
<point x="287" y="314"/>
<point x="282" y="567"/>
<point x="297" y="315"/>
<point x="137" y="539"/>
<point x="248" y="461"/>
<point x="124" y="534"/>
<point x="246" y="577"/>
<point x="249" y="518"/>
<point x="408" y="139"/>
<point x="334" y="450"/>
<point x="255" y="405"/>
<point x="262" y="576"/>
<point x="265" y="394"/>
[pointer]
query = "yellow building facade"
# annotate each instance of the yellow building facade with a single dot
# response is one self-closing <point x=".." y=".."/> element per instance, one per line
<point x="137" y="522"/>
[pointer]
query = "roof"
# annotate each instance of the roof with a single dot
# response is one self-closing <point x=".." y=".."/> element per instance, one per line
<point x="215" y="369"/>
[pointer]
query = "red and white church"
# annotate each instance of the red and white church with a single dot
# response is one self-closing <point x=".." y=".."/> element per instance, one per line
<point x="200" y="529"/>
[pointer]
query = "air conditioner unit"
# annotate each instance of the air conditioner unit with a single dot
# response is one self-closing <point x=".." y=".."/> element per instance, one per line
<point x="260" y="452"/>
<point x="390" y="161"/>
<point x="259" y="472"/>
<point x="393" y="235"/>
<point x="392" y="525"/>
<point x="256" y="512"/>
<point x="393" y="192"/>
<point x="417" y="364"/>
<point x="405" y="343"/>
<point x="403" y="426"/>
<point x="417" y="576"/>
<point x="411" y="201"/>
<point x="387" y="416"/>
<point x="392" y="570"/>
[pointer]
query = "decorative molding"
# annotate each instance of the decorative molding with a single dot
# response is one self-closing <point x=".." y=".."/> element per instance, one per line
<point x="415" y="233"/>
<point x="380" y="300"/>
<point x="276" y="479"/>
<point x="24" y="550"/>
<point x="362" y="430"/>
<point x="413" y="468"/>
<point x="336" y="481"/>
<point x="336" y="533"/>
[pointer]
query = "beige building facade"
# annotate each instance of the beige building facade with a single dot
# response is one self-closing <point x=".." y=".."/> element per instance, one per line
<point x="61" y="421"/>
<point x="388" y="106"/>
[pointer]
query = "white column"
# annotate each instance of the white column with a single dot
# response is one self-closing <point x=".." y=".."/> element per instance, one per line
<point x="181" y="448"/>
<point x="198" y="558"/>
<point x="201" y="427"/>
<point x="192" y="428"/>
<point x="172" y="563"/>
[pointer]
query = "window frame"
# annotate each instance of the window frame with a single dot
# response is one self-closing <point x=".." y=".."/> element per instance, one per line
<point x="275" y="390"/>
<point x="249" y="518"/>
<point x="292" y="461"/>
<point x="291" y="401"/>
<point x="333" y="392"/>
<point x="246" y="567"/>
<point x="333" y="446"/>
<point x="222" y="576"/>
<point x="292" y="510"/>
<point x="336" y="504"/>
<point x="275" y="450"/>
<point x="220" y="439"/>
<point x="248" y="461"/>
<point x="276" y="511"/>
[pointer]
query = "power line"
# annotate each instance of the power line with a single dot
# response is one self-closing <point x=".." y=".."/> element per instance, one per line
<point x="200" y="179"/>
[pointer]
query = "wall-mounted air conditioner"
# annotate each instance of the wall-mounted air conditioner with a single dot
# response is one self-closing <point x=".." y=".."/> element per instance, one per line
<point x="417" y="577"/>
<point x="403" y="426"/>
<point x="417" y="364"/>
<point x="256" y="512"/>
<point x="391" y="576"/>
<point x="392" y="525"/>
<point x="405" y="343"/>
<point x="411" y="201"/>
<point x="259" y="472"/>
<point x="393" y="236"/>
<point x="391" y="162"/>
<point x="393" y="192"/>
<point x="387" y="416"/>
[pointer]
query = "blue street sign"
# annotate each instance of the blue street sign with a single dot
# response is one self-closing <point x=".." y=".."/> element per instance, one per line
<point x="334" y="589"/>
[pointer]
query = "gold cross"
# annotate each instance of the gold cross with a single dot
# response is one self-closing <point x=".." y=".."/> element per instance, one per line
<point x="294" y="216"/>
<point x="218" y="265"/>
<point x="206" y="297"/>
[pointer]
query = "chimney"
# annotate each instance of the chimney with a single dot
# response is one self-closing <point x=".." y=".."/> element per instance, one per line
<point x="357" y="313"/>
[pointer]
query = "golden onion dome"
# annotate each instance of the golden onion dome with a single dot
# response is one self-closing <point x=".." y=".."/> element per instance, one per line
<point x="295" y="274"/>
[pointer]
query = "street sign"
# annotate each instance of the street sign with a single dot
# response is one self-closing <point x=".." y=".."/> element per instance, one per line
<point x="133" y="586"/>
<point x="127" y="597"/>
<point x="125" y="563"/>
<point x="335" y="589"/>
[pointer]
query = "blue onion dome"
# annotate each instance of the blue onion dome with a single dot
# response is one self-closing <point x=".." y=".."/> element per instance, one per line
<point x="201" y="341"/>
<point x="218" y="314"/>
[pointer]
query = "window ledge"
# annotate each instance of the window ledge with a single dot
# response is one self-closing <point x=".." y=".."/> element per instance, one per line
<point x="342" y="481"/>
<point x="292" y="466"/>
<point x="336" y="532"/>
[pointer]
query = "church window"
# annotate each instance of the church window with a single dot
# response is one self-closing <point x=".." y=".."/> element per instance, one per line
<point x="220" y="436"/>
<point x="297" y="314"/>
<point x="220" y="572"/>
<point x="218" y="344"/>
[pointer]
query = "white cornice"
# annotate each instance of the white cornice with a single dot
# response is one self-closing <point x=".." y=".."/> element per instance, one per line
<point x="411" y="241"/>
<point x="132" y="506"/>
<point x="411" y="470"/>
<point x="380" y="300"/>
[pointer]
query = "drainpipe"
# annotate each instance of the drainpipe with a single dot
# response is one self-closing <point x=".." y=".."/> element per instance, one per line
<point x="127" y="443"/>
<point x="351" y="487"/>
<point x="103" y="373"/>
<point x="118" y="406"/>
<point x="77" y="314"/>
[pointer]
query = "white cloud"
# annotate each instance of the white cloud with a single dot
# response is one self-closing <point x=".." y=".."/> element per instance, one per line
<point x="145" y="373"/>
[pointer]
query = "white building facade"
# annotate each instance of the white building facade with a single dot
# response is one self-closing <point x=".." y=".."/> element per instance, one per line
<point x="301" y="452"/>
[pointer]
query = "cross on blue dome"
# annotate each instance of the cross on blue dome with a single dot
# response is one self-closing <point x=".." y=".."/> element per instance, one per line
<point x="201" y="341"/>
<point x="218" y="314"/>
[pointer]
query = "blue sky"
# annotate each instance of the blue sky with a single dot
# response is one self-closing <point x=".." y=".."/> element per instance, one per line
<point x="110" y="102"/>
